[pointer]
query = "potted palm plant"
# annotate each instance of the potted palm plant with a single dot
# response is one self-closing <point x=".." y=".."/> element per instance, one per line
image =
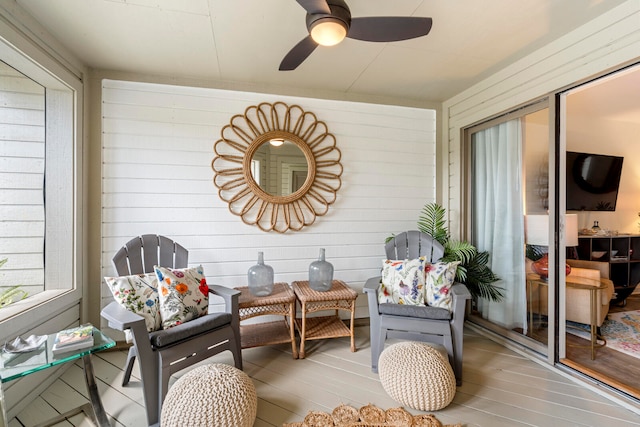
<point x="473" y="270"/>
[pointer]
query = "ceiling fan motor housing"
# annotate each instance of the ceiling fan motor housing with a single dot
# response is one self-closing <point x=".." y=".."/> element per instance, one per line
<point x="339" y="13"/>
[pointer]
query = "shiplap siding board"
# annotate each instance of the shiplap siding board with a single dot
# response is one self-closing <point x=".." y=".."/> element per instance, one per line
<point x="22" y="157"/>
<point x="157" y="178"/>
<point x="608" y="42"/>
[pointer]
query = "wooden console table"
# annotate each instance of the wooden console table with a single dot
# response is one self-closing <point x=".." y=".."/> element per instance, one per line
<point x="339" y="297"/>
<point x="592" y="285"/>
<point x="281" y="302"/>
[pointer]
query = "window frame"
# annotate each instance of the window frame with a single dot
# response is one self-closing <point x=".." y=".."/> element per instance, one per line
<point x="518" y="112"/>
<point x="63" y="159"/>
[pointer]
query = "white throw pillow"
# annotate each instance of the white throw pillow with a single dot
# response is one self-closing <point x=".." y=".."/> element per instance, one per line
<point x="138" y="293"/>
<point x="440" y="276"/>
<point x="403" y="282"/>
<point x="183" y="293"/>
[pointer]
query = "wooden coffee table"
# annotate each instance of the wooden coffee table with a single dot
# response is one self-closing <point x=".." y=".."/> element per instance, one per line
<point x="339" y="297"/>
<point x="281" y="302"/>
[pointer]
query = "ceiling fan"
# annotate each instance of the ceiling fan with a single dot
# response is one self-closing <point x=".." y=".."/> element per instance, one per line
<point x="329" y="22"/>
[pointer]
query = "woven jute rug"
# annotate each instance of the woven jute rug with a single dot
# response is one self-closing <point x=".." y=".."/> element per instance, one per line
<point x="368" y="416"/>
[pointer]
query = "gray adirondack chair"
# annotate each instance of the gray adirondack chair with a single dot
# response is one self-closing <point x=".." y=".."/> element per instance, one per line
<point x="162" y="353"/>
<point x="417" y="323"/>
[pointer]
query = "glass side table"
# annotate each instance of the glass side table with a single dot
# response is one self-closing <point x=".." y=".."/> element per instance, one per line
<point x="14" y="366"/>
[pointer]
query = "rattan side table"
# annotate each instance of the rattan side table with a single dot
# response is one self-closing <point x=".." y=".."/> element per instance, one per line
<point x="281" y="302"/>
<point x="339" y="297"/>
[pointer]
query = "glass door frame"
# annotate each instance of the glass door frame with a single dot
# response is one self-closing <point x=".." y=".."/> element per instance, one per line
<point x="556" y="205"/>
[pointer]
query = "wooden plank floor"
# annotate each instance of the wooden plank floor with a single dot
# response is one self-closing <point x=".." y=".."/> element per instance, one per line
<point x="500" y="388"/>
<point x="611" y="367"/>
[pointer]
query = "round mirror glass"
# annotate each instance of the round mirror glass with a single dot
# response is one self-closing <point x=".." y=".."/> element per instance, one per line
<point x="279" y="167"/>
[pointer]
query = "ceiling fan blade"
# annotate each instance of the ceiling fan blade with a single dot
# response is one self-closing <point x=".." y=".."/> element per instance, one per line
<point x="298" y="54"/>
<point x="315" y="6"/>
<point x="388" y="28"/>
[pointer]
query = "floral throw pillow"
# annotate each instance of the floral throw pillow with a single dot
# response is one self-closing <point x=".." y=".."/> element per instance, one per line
<point x="402" y="282"/>
<point x="139" y="294"/>
<point x="183" y="293"/>
<point x="439" y="278"/>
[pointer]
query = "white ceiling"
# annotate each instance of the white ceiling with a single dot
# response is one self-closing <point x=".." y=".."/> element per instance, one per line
<point x="243" y="41"/>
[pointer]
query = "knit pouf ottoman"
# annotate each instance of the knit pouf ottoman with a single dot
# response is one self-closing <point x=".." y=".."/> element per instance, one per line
<point x="215" y="395"/>
<point x="417" y="375"/>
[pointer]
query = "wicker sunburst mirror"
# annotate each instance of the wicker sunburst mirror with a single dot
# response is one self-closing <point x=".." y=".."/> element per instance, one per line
<point x="277" y="167"/>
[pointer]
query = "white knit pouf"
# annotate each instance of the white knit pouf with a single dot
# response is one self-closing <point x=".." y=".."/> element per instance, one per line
<point x="215" y="395"/>
<point x="417" y="375"/>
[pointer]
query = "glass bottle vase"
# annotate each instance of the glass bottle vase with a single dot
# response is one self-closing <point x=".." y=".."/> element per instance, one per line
<point x="260" y="278"/>
<point x="320" y="274"/>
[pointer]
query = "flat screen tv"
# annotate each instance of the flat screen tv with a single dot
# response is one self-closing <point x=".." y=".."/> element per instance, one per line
<point x="592" y="181"/>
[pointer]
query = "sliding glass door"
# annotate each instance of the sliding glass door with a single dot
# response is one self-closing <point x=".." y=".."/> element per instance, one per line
<point x="599" y="127"/>
<point x="551" y="194"/>
<point x="508" y="180"/>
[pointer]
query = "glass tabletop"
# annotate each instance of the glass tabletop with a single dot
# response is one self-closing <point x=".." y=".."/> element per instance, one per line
<point x="16" y="365"/>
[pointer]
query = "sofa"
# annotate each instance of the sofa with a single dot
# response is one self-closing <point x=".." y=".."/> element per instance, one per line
<point x="578" y="300"/>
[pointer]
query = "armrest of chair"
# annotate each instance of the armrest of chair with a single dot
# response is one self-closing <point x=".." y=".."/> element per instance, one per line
<point x="120" y="318"/>
<point x="371" y="289"/>
<point x="459" y="290"/>
<point x="230" y="296"/>
<point x="608" y="291"/>
<point x="371" y="285"/>
<point x="459" y="294"/>
<point x="231" y="299"/>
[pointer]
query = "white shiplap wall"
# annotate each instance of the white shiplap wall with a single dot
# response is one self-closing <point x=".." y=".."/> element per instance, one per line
<point x="22" y="158"/>
<point x="157" y="149"/>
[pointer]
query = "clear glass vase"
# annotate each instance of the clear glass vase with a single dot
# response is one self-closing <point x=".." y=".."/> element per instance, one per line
<point x="260" y="278"/>
<point x="320" y="274"/>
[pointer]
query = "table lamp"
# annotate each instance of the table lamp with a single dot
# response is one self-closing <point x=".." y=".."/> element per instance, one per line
<point x="537" y="234"/>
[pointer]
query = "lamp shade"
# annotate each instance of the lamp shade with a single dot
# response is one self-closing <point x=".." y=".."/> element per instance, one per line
<point x="537" y="230"/>
<point x="571" y="230"/>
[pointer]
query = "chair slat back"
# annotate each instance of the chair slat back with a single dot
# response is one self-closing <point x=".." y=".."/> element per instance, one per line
<point x="141" y="253"/>
<point x="413" y="244"/>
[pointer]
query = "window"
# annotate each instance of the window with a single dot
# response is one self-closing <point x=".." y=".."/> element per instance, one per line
<point x="38" y="183"/>
<point x="22" y="167"/>
<point x="255" y="170"/>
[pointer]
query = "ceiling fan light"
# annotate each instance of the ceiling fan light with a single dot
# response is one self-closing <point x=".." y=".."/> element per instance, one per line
<point x="276" y="142"/>
<point x="328" y="31"/>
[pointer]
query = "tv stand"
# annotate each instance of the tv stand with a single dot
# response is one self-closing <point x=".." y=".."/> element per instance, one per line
<point x="622" y="252"/>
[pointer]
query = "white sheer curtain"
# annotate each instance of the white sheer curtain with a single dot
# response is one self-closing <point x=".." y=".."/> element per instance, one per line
<point x="498" y="220"/>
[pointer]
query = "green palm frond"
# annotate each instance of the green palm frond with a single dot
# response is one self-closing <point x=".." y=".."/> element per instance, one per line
<point x="432" y="222"/>
<point x="473" y="270"/>
<point x="461" y="251"/>
<point x="11" y="295"/>
<point x="481" y="279"/>
<point x="461" y="274"/>
<point x="534" y="252"/>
